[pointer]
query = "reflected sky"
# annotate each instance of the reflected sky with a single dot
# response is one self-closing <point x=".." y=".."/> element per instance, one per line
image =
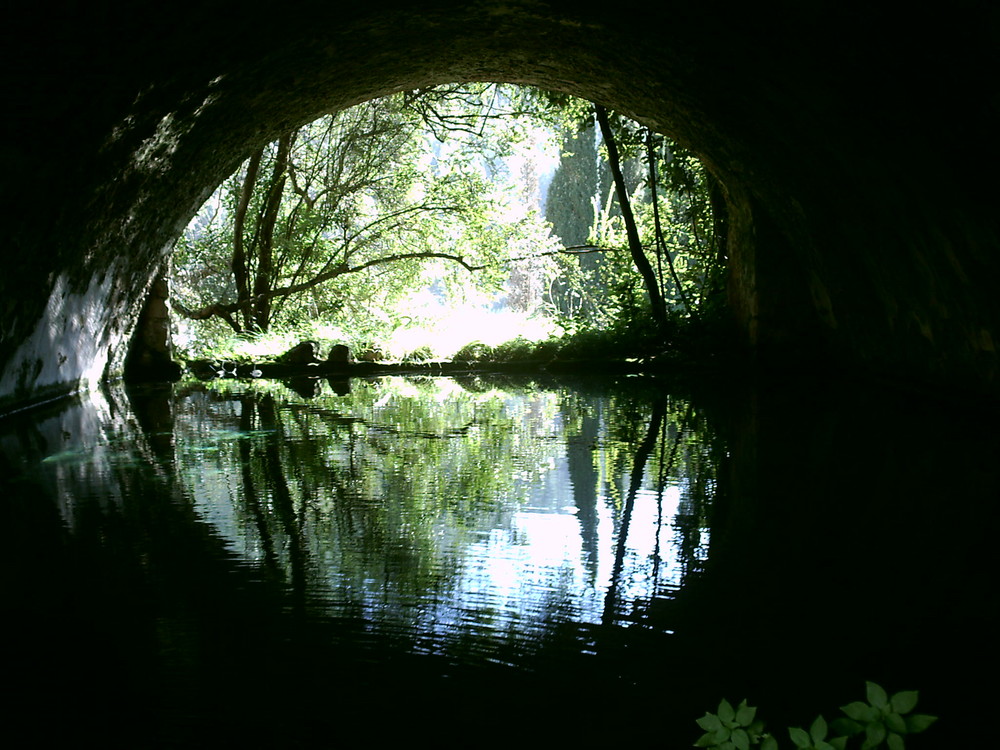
<point x="442" y="510"/>
<point x="482" y="540"/>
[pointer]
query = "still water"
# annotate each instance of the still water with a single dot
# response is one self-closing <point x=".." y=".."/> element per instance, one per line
<point x="485" y="560"/>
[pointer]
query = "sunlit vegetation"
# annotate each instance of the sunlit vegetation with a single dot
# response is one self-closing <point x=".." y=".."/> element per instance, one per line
<point x="476" y="221"/>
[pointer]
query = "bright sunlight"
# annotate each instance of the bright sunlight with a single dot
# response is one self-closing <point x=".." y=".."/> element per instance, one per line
<point x="412" y="227"/>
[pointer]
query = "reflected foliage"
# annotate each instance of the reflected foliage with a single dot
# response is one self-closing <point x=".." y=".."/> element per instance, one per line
<point x="177" y="560"/>
<point x="399" y="497"/>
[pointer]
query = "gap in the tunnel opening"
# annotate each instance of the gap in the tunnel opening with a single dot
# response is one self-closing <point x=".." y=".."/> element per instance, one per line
<point x="473" y="220"/>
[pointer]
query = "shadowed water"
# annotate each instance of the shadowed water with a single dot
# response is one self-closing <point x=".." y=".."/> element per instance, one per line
<point x="202" y="565"/>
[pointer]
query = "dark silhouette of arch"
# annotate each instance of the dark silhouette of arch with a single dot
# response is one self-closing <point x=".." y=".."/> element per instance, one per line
<point x="850" y="145"/>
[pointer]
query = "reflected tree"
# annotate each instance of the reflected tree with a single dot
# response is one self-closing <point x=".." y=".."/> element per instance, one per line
<point x="388" y="495"/>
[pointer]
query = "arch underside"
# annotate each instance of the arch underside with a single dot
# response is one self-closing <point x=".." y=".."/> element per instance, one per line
<point x="849" y="241"/>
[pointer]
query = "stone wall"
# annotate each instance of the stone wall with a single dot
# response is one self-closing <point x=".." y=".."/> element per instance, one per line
<point x="150" y="353"/>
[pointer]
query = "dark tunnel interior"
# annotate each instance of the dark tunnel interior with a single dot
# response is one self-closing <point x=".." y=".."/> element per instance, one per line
<point x="850" y="144"/>
<point x="854" y="143"/>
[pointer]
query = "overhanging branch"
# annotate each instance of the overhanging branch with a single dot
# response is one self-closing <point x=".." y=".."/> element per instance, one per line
<point x="224" y="310"/>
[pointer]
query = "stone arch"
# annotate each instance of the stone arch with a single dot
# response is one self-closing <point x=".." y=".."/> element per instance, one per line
<point x="826" y="262"/>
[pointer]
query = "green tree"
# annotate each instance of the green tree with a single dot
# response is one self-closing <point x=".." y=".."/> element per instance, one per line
<point x="320" y="216"/>
<point x="573" y="207"/>
<point x="636" y="250"/>
<point x="653" y="231"/>
<point x="338" y="220"/>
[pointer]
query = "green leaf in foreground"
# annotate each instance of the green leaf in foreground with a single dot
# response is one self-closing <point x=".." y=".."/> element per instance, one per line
<point x="745" y="714"/>
<point x="860" y="712"/>
<point x="876" y="695"/>
<point x="709" y="722"/>
<point x="881" y="720"/>
<point x="904" y="701"/>
<point x="919" y="722"/>
<point x="818" y="730"/>
<point x="799" y="736"/>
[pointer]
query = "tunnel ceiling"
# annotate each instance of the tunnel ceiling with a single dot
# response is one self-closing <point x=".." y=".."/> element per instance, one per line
<point x="848" y="141"/>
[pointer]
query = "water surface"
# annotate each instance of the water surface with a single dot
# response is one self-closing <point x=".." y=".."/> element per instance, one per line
<point x="477" y="558"/>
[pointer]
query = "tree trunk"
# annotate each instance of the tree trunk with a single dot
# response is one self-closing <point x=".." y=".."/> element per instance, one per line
<point x="264" y="277"/>
<point x="661" y="245"/>
<point x="642" y="264"/>
<point x="642" y="453"/>
<point x="241" y="273"/>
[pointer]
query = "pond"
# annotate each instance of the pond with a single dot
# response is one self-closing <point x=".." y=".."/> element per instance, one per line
<point x="489" y="559"/>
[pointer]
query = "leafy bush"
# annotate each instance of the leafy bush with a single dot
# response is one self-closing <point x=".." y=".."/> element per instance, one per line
<point x="515" y="350"/>
<point x="881" y="722"/>
<point x="547" y="350"/>
<point x="420" y="354"/>
<point x="619" y="342"/>
<point x="475" y="351"/>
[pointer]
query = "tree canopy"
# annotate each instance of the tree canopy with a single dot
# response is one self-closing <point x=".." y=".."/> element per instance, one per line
<point x="340" y="219"/>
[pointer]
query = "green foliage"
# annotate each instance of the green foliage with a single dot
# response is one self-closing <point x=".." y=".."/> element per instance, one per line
<point x="883" y="719"/>
<point x="671" y="196"/>
<point x="263" y="347"/>
<point x="386" y="488"/>
<point x="816" y="737"/>
<point x="731" y="729"/>
<point x="620" y="342"/>
<point x="247" y="348"/>
<point x="420" y="354"/>
<point x="515" y="349"/>
<point x="475" y="351"/>
<point x="880" y="722"/>
<point x="342" y="221"/>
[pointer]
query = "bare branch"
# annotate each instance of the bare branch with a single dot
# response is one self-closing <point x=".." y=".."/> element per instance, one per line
<point x="208" y="311"/>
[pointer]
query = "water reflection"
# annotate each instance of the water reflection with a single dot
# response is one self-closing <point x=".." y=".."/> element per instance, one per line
<point x="206" y="565"/>
<point x="437" y="511"/>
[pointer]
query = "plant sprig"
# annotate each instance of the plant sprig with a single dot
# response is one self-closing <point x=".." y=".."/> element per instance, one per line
<point x="882" y="722"/>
